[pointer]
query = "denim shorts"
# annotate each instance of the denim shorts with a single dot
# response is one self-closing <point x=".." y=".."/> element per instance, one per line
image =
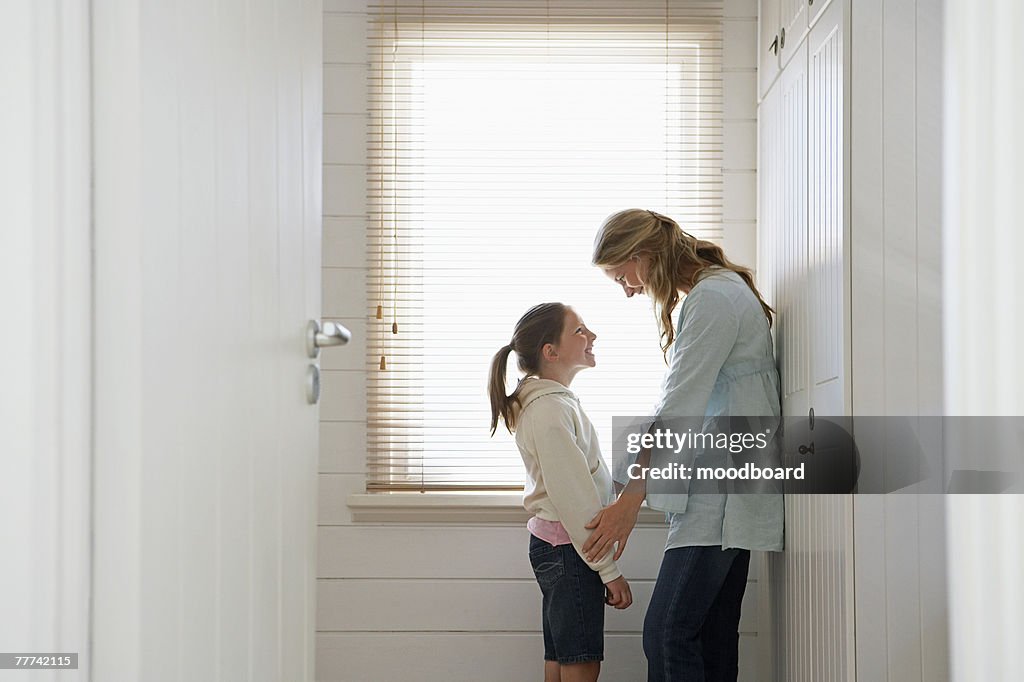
<point x="573" y="603"/>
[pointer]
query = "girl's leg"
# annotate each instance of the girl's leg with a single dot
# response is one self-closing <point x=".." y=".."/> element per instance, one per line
<point x="720" y="636"/>
<point x="688" y="584"/>
<point x="581" y="672"/>
<point x="552" y="671"/>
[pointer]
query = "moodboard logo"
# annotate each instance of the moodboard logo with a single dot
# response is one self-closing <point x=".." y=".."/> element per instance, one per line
<point x="820" y="455"/>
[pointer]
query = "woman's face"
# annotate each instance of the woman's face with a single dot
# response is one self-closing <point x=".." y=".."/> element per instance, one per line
<point x="630" y="275"/>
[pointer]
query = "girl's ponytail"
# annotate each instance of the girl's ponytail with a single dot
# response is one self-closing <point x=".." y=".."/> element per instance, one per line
<point x="501" y="404"/>
<point x="540" y="325"/>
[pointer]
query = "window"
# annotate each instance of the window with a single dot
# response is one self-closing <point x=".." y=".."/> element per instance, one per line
<point x="501" y="136"/>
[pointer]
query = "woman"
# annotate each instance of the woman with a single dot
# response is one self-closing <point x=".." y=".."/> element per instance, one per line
<point x="721" y="364"/>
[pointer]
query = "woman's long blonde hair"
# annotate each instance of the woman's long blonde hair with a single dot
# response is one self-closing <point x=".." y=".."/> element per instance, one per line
<point x="676" y="258"/>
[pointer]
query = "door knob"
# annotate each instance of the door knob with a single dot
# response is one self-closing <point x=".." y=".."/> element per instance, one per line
<point x="331" y="334"/>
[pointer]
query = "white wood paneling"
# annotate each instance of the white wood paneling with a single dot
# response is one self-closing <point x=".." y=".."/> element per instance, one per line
<point x="388" y="547"/>
<point x="468" y="605"/>
<point x="343" y="446"/>
<point x="345" y="38"/>
<point x="739" y="43"/>
<point x="345" y="291"/>
<point x="470" y="657"/>
<point x="401" y="589"/>
<point x="345" y="89"/>
<point x="739" y="145"/>
<point x="739" y="196"/>
<point x="345" y="190"/>
<point x="739" y="94"/>
<point x="338" y="400"/>
<point x="345" y="138"/>
<point x="342" y="247"/>
<point x="740" y="242"/>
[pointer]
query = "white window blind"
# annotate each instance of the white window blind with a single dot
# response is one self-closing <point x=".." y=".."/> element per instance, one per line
<point x="501" y="135"/>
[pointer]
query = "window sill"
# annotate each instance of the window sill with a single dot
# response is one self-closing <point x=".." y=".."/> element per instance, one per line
<point x="454" y="508"/>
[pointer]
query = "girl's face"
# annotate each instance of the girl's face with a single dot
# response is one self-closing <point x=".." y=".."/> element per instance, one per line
<point x="576" y="345"/>
<point x="630" y="275"/>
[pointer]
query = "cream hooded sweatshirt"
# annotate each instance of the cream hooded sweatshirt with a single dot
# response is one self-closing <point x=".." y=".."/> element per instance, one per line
<point x="569" y="481"/>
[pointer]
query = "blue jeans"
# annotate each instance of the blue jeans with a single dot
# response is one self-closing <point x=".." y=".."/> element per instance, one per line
<point x="691" y="632"/>
<point x="572" y="607"/>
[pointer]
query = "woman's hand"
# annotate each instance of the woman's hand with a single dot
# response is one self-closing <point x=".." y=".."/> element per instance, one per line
<point x="612" y="525"/>
<point x="618" y="594"/>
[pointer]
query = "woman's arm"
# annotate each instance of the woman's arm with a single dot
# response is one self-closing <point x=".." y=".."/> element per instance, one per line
<point x="710" y="327"/>
<point x="613" y="524"/>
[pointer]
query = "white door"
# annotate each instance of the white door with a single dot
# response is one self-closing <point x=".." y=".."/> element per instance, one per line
<point x="45" y="336"/>
<point x="792" y="28"/>
<point x="827" y="271"/>
<point x="207" y="157"/>
<point x="791" y="287"/>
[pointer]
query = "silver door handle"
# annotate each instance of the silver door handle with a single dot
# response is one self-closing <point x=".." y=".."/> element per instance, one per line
<point x="331" y="334"/>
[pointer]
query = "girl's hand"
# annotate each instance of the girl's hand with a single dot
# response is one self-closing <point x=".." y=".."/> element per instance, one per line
<point x="612" y="525"/>
<point x="618" y="594"/>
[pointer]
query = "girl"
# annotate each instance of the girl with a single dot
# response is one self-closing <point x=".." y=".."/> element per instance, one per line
<point x="721" y="364"/>
<point x="568" y="484"/>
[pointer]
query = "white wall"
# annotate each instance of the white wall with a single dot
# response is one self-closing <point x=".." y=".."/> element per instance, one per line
<point x="896" y="172"/>
<point x="984" y="235"/>
<point x="458" y="601"/>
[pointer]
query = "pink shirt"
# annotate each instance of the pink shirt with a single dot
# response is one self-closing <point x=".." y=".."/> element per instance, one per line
<point x="551" y="532"/>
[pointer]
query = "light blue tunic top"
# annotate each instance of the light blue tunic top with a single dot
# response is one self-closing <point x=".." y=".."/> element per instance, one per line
<point x="721" y="363"/>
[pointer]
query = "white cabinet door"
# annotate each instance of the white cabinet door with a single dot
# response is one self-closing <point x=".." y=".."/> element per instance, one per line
<point x="768" y="200"/>
<point x="828" y="309"/>
<point x="791" y="281"/>
<point x="768" y="45"/>
<point x="814" y="10"/>
<point x="46" y="340"/>
<point x="207" y="143"/>
<point x="792" y="28"/>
